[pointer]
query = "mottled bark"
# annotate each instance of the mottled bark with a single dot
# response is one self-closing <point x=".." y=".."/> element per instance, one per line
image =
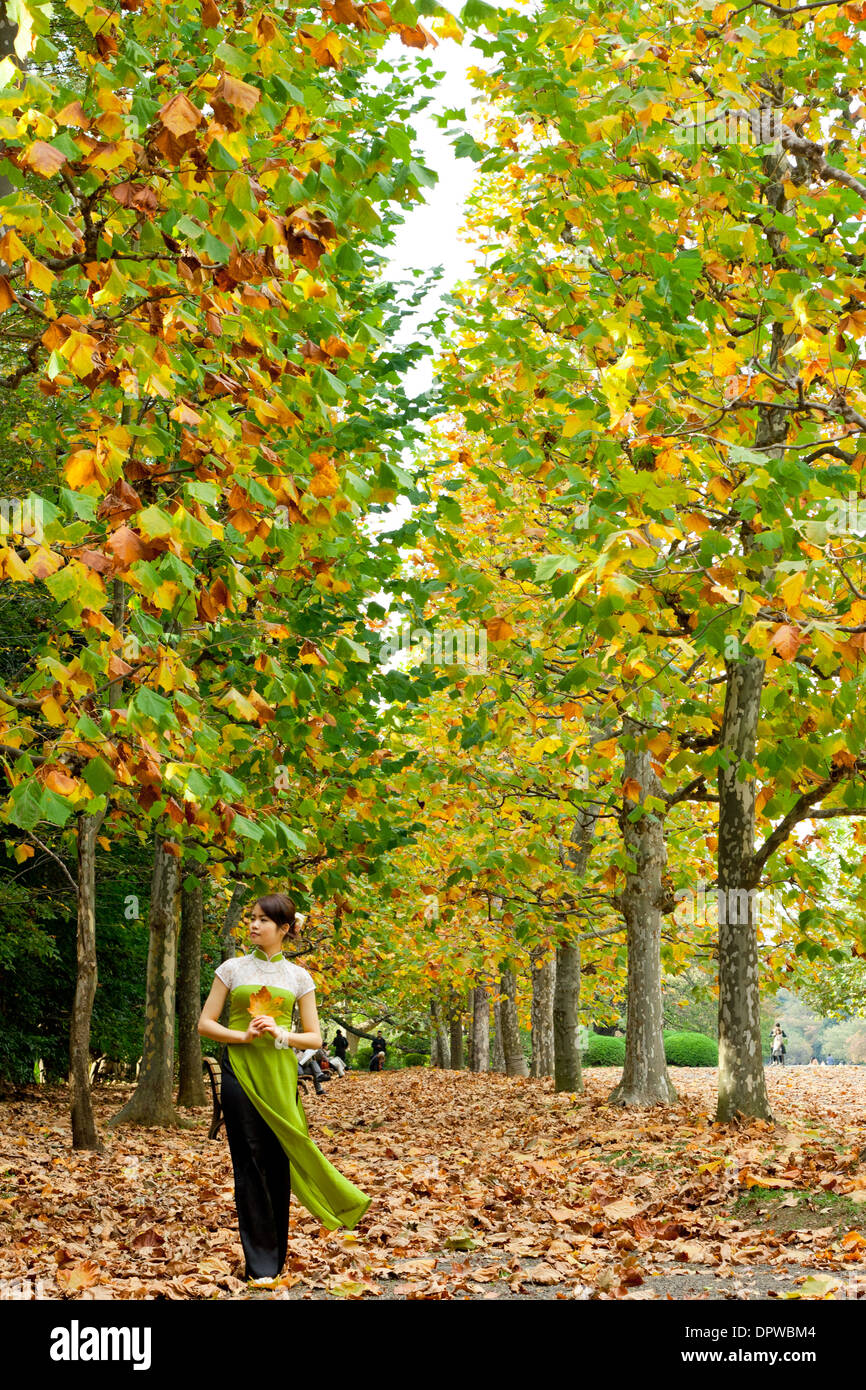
<point x="515" y="1062"/>
<point x="455" y="1028"/>
<point x="497" y="1050"/>
<point x="443" y="1049"/>
<point x="190" y="1086"/>
<point x="543" y="965"/>
<point x="8" y="33"/>
<point x="151" y="1102"/>
<point x="645" y="1079"/>
<point x="84" y="1133"/>
<point x="567" y="1072"/>
<point x="480" y="1050"/>
<point x="742" y="1086"/>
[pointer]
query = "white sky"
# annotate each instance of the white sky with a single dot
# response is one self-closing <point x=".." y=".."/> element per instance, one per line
<point x="430" y="235"/>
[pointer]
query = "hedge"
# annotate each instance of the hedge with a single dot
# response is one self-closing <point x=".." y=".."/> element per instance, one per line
<point x="363" y="1057"/>
<point x="604" y="1052"/>
<point x="691" y="1050"/>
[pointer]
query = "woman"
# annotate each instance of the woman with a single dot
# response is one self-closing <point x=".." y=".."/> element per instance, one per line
<point x="778" y="1044"/>
<point x="269" y="1141"/>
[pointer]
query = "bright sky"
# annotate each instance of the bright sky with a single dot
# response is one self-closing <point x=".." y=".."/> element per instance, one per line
<point x="430" y="235"/>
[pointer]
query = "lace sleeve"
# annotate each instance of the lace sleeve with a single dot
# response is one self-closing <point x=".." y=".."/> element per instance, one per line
<point x="305" y="983"/>
<point x="225" y="973"/>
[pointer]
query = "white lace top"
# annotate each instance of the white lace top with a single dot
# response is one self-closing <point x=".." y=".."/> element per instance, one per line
<point x="251" y="970"/>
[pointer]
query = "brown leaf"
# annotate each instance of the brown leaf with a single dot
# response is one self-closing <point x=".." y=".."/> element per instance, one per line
<point x="7" y="295"/>
<point x="240" y="94"/>
<point x="71" y="1278"/>
<point x="179" y="116"/>
<point x="127" y="545"/>
<point x="44" y="159"/>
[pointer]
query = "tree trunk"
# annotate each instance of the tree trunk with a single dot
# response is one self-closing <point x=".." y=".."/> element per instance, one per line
<point x="228" y="949"/>
<point x="151" y="1101"/>
<point x="443" y="1049"/>
<point x="84" y="1134"/>
<point x="742" y="1085"/>
<point x="455" y="1022"/>
<point x="8" y="34"/>
<point x="515" y="1062"/>
<point x="190" y="1089"/>
<point x="543" y="965"/>
<point x="497" y="1051"/>
<point x="645" y="1079"/>
<point x="480" y="1054"/>
<point x="567" y="1071"/>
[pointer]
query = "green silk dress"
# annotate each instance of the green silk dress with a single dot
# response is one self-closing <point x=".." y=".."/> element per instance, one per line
<point x="269" y="1077"/>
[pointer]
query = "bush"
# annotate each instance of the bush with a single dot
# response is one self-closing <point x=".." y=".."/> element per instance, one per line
<point x="415" y="1059"/>
<point x="604" y="1052"/>
<point x="691" y="1050"/>
<point x="362" y="1058"/>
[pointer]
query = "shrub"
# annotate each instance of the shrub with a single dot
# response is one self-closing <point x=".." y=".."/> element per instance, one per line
<point x="415" y="1059"/>
<point x="691" y="1050"/>
<point x="604" y="1052"/>
<point x="361" y="1060"/>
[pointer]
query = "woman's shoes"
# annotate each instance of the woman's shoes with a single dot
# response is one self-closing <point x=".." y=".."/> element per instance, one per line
<point x="268" y="1279"/>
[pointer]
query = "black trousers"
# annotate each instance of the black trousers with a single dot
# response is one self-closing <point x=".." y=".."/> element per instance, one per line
<point x="262" y="1175"/>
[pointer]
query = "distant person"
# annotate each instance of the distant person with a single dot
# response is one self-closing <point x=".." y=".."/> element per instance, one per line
<point x="777" y="1044"/>
<point x="831" y="1061"/>
<point x="377" y="1061"/>
<point x="330" y="1065"/>
<point x="814" y="1062"/>
<point x="379" y="1044"/>
<point x="340" y="1046"/>
<point x="308" y="1065"/>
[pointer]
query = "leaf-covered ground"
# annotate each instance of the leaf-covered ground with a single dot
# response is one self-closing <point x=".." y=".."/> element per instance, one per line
<point x="484" y="1186"/>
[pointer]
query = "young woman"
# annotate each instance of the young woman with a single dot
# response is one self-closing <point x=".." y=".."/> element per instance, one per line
<point x="269" y="1142"/>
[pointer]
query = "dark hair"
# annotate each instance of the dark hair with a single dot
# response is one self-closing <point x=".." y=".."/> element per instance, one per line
<point x="280" y="908"/>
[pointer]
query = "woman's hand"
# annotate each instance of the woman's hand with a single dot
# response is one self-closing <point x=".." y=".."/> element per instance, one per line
<point x="262" y="1024"/>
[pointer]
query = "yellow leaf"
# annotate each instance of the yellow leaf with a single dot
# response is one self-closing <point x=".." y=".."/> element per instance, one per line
<point x="784" y="43"/>
<point x="80" y="468"/>
<point x="792" y="589"/>
<point x="39" y="275"/>
<point x="51" y="711"/>
<point x="263" y="1004"/>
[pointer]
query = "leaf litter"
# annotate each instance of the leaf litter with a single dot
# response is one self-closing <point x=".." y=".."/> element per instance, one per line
<point x="484" y="1187"/>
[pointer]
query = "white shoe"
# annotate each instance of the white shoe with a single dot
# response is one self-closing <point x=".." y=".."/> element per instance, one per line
<point x="268" y="1279"/>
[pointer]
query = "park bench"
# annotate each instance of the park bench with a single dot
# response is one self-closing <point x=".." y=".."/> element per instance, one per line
<point x="214" y="1071"/>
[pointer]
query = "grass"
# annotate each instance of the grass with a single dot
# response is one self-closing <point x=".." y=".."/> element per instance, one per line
<point x="763" y="1206"/>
